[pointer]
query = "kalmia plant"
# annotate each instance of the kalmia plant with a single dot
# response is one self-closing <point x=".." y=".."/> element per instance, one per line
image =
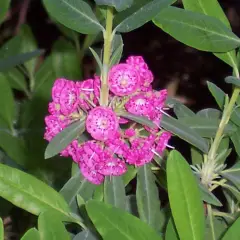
<point x="115" y="129"/>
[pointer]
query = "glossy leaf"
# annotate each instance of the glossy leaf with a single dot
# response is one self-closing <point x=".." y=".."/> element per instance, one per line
<point x="206" y="127"/>
<point x="65" y="60"/>
<point x="29" y="193"/>
<point x="31" y="234"/>
<point x="233" y="232"/>
<point x="197" y="30"/>
<point x="64" y="138"/>
<point x="13" y="61"/>
<point x="184" y="132"/>
<point x="213" y="8"/>
<point x="16" y="80"/>
<point x="147" y="197"/>
<point x="233" y="174"/>
<point x="51" y="227"/>
<point x="7" y="105"/>
<point x="76" y="15"/>
<point x="120" y="5"/>
<point x="142" y="120"/>
<point x="187" y="209"/>
<point x="233" y="80"/>
<point x="114" y="223"/>
<point x="4" y="5"/>
<point x="171" y="231"/>
<point x="74" y="186"/>
<point x="85" y="235"/>
<point x="1" y="230"/>
<point x="143" y="15"/>
<point x="114" y="192"/>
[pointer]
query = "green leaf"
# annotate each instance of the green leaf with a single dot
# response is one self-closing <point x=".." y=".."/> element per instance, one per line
<point x="235" y="138"/>
<point x="234" y="191"/>
<point x="197" y="30"/>
<point x="51" y="227"/>
<point x="171" y="231"/>
<point x="11" y="47"/>
<point x="208" y="196"/>
<point x="206" y="127"/>
<point x="120" y="5"/>
<point x="141" y="120"/>
<point x="14" y="147"/>
<point x="114" y="223"/>
<point x="213" y="8"/>
<point x="31" y="234"/>
<point x="16" y="80"/>
<point x="13" y="61"/>
<point x="233" y="80"/>
<point x="182" y="111"/>
<point x="217" y="93"/>
<point x="184" y="132"/>
<point x="65" y="60"/>
<point x="220" y="227"/>
<point x="131" y="205"/>
<point x="85" y="235"/>
<point x="233" y="232"/>
<point x="147" y="197"/>
<point x="74" y="186"/>
<point x="97" y="58"/>
<point x="64" y="138"/>
<point x="1" y="230"/>
<point x="7" y="105"/>
<point x="223" y="151"/>
<point x="76" y="15"/>
<point x="233" y="174"/>
<point x="187" y="209"/>
<point x="29" y="193"/>
<point x="114" y="192"/>
<point x="143" y="15"/>
<point x="116" y="57"/>
<point x="130" y="174"/>
<point x="28" y="44"/>
<point x="209" y="113"/>
<point x="197" y="156"/>
<point x="4" y="5"/>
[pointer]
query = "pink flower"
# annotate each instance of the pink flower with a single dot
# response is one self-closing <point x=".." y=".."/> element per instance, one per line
<point x="162" y="142"/>
<point x="140" y="105"/>
<point x="57" y="88"/>
<point x="123" y="80"/>
<point x="146" y="76"/>
<point x="130" y="132"/>
<point x="69" y="98"/>
<point x="102" y="123"/>
<point x="111" y="166"/>
<point x="54" y="108"/>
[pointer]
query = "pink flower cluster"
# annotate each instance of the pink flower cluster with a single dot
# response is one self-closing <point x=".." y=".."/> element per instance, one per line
<point x="113" y="141"/>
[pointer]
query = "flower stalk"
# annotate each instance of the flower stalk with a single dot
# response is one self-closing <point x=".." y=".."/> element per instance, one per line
<point x="108" y="36"/>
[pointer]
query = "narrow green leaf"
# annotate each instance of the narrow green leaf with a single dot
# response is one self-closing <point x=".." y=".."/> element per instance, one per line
<point x="29" y="193"/>
<point x="16" y="80"/>
<point x="138" y="119"/>
<point x="171" y="231"/>
<point x="233" y="80"/>
<point x="4" y="5"/>
<point x="143" y="15"/>
<point x="235" y="138"/>
<point x="197" y="30"/>
<point x="187" y="209"/>
<point x="7" y="105"/>
<point x="130" y="174"/>
<point x="184" y="132"/>
<point x="147" y="197"/>
<point x="97" y="58"/>
<point x="209" y="113"/>
<point x="233" y="232"/>
<point x="31" y="234"/>
<point x="182" y="111"/>
<point x="217" y="93"/>
<point x="197" y="156"/>
<point x="65" y="61"/>
<point x="233" y="174"/>
<point x="51" y="227"/>
<point x="220" y="227"/>
<point x="114" y="192"/>
<point x="207" y="127"/>
<point x="1" y="230"/>
<point x="120" y="5"/>
<point x="114" y="223"/>
<point x="86" y="235"/>
<point x="74" y="186"/>
<point x="13" y="61"/>
<point x="234" y="191"/>
<point x="76" y="15"/>
<point x="116" y="57"/>
<point x="64" y="138"/>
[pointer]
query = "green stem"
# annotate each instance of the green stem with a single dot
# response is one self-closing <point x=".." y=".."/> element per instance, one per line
<point x="106" y="58"/>
<point x="210" y="215"/>
<point x="224" y="121"/>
